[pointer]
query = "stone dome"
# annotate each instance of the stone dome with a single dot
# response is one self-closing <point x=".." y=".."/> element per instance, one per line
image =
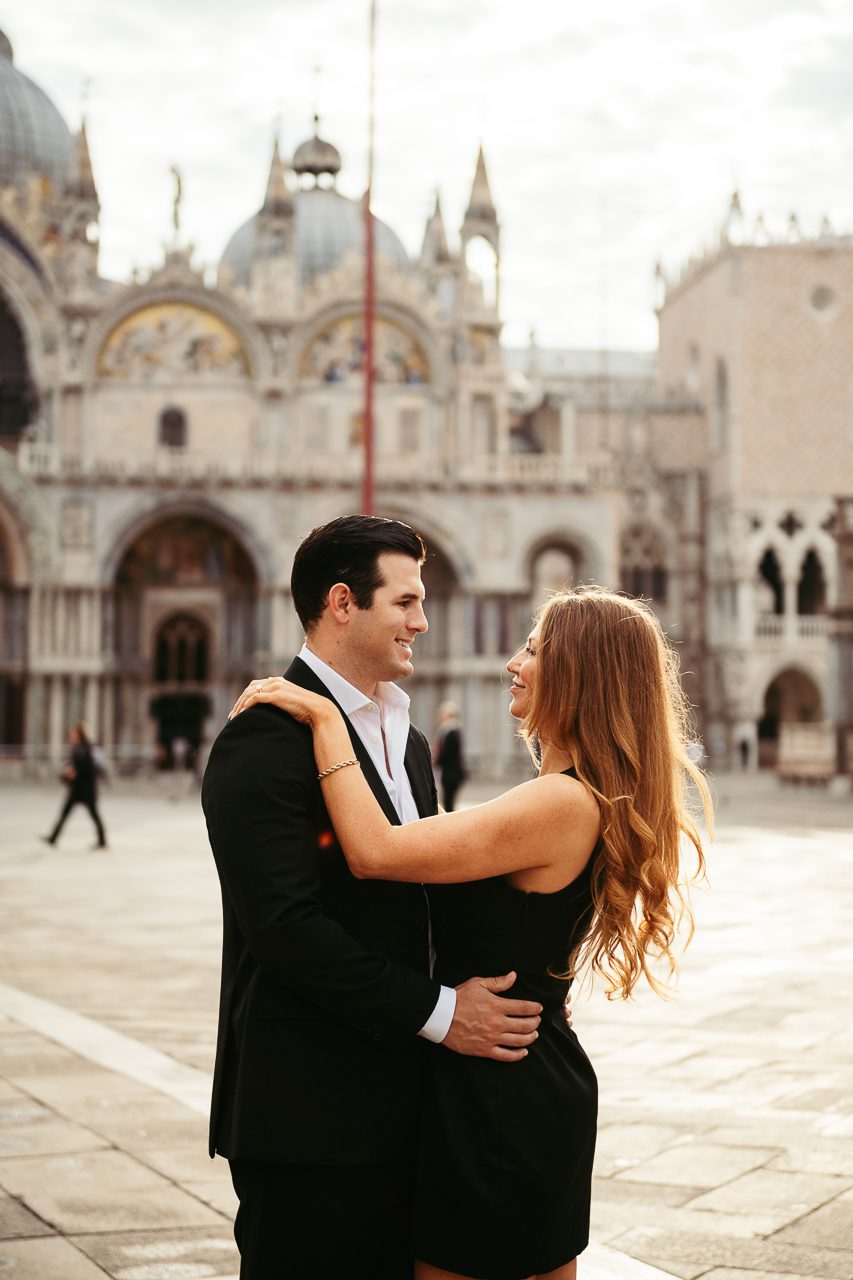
<point x="328" y="227"/>
<point x="34" y="139"/>
<point x="316" y="156"/>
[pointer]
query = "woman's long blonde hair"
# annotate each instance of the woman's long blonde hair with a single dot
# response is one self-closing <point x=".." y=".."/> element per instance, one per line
<point x="608" y="692"/>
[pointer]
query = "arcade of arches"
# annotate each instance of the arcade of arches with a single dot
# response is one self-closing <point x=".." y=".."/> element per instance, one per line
<point x="805" y="596"/>
<point x="156" y="656"/>
<point x="159" y="653"/>
<point x="150" y="657"/>
<point x="474" y="635"/>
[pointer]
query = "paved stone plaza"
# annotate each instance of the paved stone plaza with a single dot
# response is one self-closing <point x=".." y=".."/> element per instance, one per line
<point x="726" y="1139"/>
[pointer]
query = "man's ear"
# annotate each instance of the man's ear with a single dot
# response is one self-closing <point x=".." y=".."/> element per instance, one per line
<point x="341" y="603"/>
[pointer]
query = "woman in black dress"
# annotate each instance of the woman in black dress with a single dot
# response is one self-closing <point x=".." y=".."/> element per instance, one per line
<point x="581" y="867"/>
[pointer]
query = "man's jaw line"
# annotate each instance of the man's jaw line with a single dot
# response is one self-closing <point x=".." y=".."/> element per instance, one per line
<point x="340" y="660"/>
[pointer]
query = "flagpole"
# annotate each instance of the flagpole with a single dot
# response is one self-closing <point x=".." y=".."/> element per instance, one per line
<point x="367" y="484"/>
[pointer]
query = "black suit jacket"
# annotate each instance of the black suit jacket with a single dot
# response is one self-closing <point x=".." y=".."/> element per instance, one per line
<point x="325" y="978"/>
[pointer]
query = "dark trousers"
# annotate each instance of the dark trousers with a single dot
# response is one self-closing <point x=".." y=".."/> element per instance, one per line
<point x="313" y="1222"/>
<point x="449" y="787"/>
<point x="66" y="809"/>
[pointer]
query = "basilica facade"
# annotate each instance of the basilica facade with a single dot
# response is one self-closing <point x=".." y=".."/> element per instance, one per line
<point x="165" y="444"/>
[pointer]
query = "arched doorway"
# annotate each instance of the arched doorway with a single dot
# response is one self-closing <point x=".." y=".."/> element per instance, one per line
<point x="792" y="697"/>
<point x="440" y="583"/>
<point x="182" y="628"/>
<point x="436" y="654"/>
<point x="18" y="399"/>
<point x="554" y="566"/>
<point x="13" y="655"/>
<point x="180" y="704"/>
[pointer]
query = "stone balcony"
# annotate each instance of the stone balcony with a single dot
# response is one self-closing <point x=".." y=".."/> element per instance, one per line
<point x="794" y="627"/>
<point x="262" y="468"/>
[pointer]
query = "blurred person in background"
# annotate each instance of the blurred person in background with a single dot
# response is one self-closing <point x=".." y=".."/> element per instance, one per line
<point x="447" y="754"/>
<point x="81" y="778"/>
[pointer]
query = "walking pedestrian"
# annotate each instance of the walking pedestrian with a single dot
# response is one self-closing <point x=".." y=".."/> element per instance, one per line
<point x="81" y="777"/>
<point x="447" y="754"/>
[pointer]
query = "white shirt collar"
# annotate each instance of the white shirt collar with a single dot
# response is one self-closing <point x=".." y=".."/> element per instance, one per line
<point x="388" y="695"/>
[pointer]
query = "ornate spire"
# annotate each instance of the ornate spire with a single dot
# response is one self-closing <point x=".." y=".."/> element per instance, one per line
<point x="435" y="240"/>
<point x="278" y="200"/>
<point x="81" y="180"/>
<point x="733" y="224"/>
<point x="659" y="285"/>
<point x="481" y="206"/>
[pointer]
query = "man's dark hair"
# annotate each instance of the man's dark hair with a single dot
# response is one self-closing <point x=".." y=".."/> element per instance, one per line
<point x="347" y="550"/>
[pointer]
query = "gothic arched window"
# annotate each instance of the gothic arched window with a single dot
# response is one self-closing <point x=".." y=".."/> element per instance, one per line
<point x="173" y="428"/>
<point x="181" y="651"/>
<point x="643" y="564"/>
<point x="772" y="599"/>
<point x="811" y="588"/>
<point x="554" y="569"/>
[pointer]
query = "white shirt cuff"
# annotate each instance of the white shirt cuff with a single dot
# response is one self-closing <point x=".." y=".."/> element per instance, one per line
<point x="438" y="1023"/>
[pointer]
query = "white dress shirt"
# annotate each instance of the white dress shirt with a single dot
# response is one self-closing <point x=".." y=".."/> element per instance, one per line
<point x="386" y="713"/>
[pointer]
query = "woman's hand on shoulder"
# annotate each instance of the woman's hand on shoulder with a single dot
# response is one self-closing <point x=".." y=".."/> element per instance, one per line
<point x="304" y="706"/>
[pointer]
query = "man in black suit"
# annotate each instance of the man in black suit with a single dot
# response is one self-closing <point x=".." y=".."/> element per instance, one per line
<point x="326" y="995"/>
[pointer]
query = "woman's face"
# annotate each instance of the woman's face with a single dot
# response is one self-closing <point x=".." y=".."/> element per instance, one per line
<point x="522" y="668"/>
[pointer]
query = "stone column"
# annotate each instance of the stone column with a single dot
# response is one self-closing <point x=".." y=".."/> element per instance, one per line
<point x="790" y="611"/>
<point x="107" y="726"/>
<point x="841" y="644"/>
<point x="458" y="641"/>
<point x="56" y="713"/>
<point x="34" y="715"/>
<point x="91" y="705"/>
<point x="568" y="429"/>
<point x="745" y="611"/>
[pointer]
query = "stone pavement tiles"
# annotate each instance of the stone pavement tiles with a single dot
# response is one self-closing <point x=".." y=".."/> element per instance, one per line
<point x="101" y="1176"/>
<point x="726" y="1114"/>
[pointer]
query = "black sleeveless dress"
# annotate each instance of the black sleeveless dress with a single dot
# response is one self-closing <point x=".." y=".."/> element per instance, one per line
<point x="507" y="1148"/>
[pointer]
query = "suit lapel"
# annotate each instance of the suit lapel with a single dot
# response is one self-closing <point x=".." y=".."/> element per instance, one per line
<point x="419" y="770"/>
<point x="300" y="673"/>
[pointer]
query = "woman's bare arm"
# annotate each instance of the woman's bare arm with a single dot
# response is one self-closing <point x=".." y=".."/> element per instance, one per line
<point x="548" y="820"/>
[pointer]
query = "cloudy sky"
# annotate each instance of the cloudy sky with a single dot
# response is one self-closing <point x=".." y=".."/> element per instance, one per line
<point x="614" y="133"/>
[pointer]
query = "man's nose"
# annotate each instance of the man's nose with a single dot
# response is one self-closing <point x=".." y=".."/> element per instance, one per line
<point x="418" y="620"/>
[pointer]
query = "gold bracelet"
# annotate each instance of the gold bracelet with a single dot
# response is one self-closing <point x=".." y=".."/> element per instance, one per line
<point x="333" y="768"/>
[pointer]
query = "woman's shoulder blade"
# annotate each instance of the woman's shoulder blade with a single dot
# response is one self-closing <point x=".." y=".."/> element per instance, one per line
<point x="565" y="817"/>
<point x="562" y="791"/>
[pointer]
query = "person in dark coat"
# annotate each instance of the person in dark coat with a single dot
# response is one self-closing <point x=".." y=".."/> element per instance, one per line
<point x="81" y="776"/>
<point x="447" y="754"/>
